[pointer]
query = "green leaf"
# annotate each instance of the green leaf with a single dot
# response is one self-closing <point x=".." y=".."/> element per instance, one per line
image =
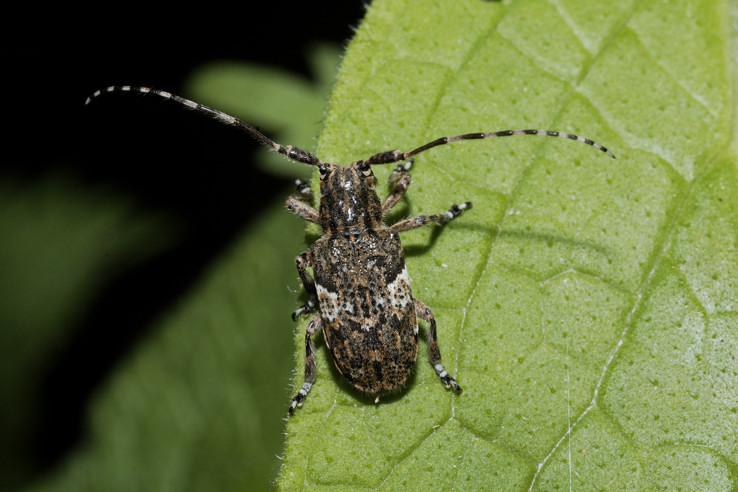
<point x="588" y="307"/>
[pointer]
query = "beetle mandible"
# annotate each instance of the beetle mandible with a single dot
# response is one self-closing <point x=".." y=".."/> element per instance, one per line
<point x="359" y="287"/>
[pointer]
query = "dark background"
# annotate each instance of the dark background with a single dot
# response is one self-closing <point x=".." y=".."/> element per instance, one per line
<point x="169" y="159"/>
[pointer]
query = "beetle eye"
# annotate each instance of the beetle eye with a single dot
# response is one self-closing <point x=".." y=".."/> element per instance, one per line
<point x="365" y="169"/>
<point x="323" y="171"/>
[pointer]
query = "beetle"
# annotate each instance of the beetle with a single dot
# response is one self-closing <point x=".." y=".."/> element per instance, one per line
<point x="359" y="288"/>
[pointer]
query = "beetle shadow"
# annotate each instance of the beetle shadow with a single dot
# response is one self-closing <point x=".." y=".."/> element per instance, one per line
<point x="550" y="239"/>
<point x="436" y="231"/>
<point x="400" y="212"/>
<point x="311" y="237"/>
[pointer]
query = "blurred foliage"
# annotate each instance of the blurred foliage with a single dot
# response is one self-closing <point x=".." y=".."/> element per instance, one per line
<point x="198" y="402"/>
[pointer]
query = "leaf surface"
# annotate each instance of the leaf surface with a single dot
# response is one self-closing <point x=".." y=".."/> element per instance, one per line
<point x="588" y="307"/>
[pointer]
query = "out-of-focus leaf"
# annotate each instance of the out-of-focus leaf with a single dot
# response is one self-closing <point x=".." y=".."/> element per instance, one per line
<point x="199" y="405"/>
<point x="60" y="242"/>
<point x="288" y="108"/>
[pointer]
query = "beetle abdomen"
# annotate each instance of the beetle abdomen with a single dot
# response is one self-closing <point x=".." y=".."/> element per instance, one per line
<point x="374" y="359"/>
<point x="368" y="312"/>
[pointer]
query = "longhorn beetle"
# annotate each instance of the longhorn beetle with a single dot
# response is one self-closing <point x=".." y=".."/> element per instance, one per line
<point x="359" y="283"/>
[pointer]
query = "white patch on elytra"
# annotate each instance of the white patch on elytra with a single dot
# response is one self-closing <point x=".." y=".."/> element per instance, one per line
<point x="328" y="303"/>
<point x="399" y="292"/>
<point x="379" y="303"/>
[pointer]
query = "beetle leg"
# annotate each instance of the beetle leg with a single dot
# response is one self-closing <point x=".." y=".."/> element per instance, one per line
<point x="435" y="353"/>
<point x="441" y="219"/>
<point x="308" y="282"/>
<point x="297" y="203"/>
<point x="314" y="325"/>
<point x="400" y="180"/>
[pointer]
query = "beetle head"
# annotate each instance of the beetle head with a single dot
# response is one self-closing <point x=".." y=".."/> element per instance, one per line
<point x="349" y="201"/>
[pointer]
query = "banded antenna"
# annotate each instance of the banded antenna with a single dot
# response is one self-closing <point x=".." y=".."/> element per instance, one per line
<point x="305" y="157"/>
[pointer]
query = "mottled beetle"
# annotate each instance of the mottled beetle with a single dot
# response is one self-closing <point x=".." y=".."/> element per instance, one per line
<point x="359" y="285"/>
